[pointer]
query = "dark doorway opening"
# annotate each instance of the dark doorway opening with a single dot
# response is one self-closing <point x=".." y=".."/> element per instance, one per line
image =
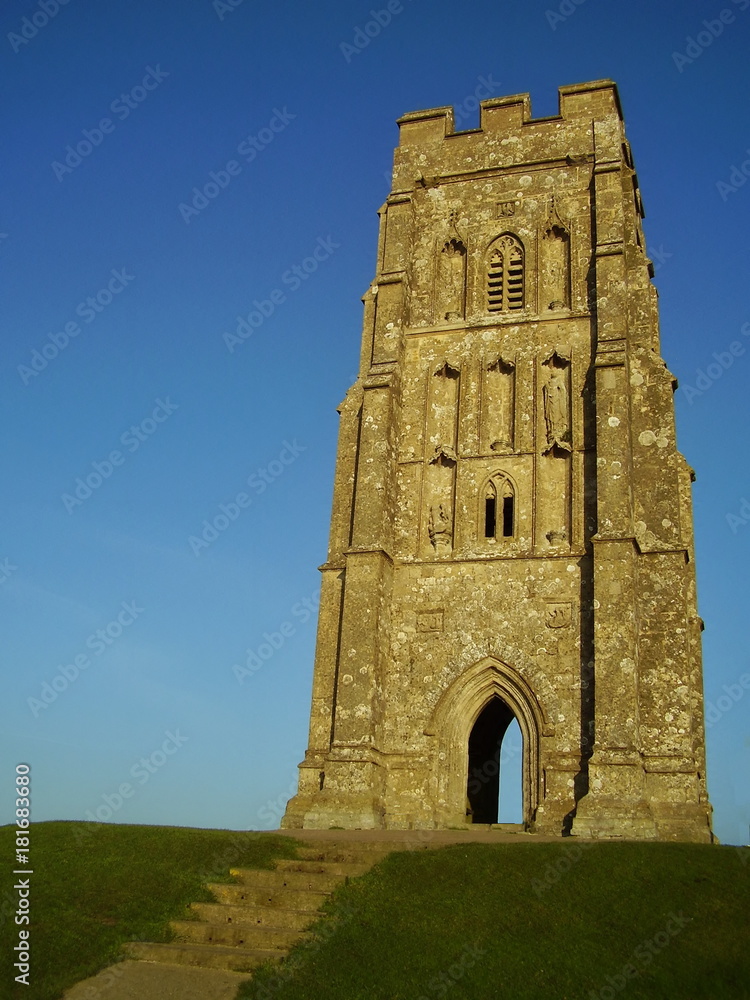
<point x="485" y="741"/>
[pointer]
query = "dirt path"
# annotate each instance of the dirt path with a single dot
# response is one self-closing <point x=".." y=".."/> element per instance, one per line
<point x="153" y="981"/>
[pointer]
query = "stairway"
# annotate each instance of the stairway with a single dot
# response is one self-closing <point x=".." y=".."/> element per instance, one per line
<point x="264" y="913"/>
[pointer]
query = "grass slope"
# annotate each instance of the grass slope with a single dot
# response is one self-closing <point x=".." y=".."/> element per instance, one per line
<point x="469" y="922"/>
<point x="98" y="885"/>
<point x="564" y="921"/>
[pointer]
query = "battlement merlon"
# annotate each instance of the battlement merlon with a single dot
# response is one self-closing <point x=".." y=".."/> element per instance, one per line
<point x="501" y="114"/>
<point x="508" y="136"/>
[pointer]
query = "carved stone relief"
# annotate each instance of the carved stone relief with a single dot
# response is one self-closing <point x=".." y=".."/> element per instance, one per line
<point x="430" y="622"/>
<point x="440" y="528"/>
<point x="559" y="615"/>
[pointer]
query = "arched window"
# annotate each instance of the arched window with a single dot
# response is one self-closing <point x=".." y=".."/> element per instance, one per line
<point x="499" y="509"/>
<point x="505" y="275"/>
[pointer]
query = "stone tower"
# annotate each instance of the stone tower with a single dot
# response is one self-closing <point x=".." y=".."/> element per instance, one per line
<point x="512" y="530"/>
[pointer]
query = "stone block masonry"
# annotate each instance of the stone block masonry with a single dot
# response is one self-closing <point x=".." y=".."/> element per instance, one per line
<point x="511" y="536"/>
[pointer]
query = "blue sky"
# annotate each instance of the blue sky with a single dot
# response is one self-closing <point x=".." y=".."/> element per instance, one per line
<point x="117" y="115"/>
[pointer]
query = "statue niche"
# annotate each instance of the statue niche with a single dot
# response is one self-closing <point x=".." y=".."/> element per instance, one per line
<point x="557" y="406"/>
<point x="440" y="472"/>
<point x="498" y="405"/>
<point x="450" y="293"/>
<point x="555" y="262"/>
<point x="554" y="484"/>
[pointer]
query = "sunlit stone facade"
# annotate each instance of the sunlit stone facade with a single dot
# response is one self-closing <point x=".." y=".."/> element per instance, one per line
<point x="512" y="530"/>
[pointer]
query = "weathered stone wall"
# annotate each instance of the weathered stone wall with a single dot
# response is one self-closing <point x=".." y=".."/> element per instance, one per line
<point x="510" y="357"/>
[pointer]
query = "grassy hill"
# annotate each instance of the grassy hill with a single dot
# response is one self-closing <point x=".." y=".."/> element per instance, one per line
<point x="561" y="921"/>
<point x="97" y="885"/>
<point x="524" y="920"/>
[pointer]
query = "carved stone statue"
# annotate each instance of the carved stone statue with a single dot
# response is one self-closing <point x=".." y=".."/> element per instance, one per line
<point x="440" y="528"/>
<point x="452" y="283"/>
<point x="556" y="412"/>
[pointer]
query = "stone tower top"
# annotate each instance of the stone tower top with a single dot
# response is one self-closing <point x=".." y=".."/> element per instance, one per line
<point x="597" y="99"/>
<point x="589" y="125"/>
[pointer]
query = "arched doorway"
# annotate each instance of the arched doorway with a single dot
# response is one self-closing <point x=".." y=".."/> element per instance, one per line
<point x="453" y="720"/>
<point x="491" y="765"/>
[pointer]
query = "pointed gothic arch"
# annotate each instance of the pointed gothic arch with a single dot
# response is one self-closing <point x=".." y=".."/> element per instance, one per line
<point x="453" y="720"/>
<point x="498" y="514"/>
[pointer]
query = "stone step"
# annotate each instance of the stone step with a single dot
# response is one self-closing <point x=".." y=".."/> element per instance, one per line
<point x="357" y="846"/>
<point x="365" y="848"/>
<point x="315" y="881"/>
<point x="205" y="956"/>
<point x="325" y="867"/>
<point x="264" y="913"/>
<point x="245" y="895"/>
<point x="254" y="936"/>
<point x="267" y="916"/>
<point x="344" y="854"/>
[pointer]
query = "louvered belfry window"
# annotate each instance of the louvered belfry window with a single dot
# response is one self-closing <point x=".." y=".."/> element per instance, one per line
<point x="505" y="277"/>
